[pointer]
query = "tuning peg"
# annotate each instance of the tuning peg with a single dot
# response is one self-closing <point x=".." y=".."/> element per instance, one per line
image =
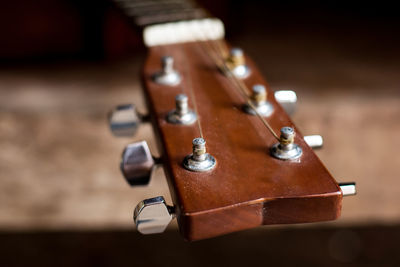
<point x="137" y="163"/>
<point x="237" y="63"/>
<point x="125" y="120"/>
<point x="153" y="215"/>
<point x="287" y="99"/>
<point x="167" y="75"/>
<point x="348" y="189"/>
<point x="259" y="102"/>
<point x="286" y="149"/>
<point x="314" y="141"/>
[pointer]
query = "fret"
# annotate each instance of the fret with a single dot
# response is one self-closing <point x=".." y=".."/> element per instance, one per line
<point x="144" y="9"/>
<point x="161" y="18"/>
<point x="151" y="12"/>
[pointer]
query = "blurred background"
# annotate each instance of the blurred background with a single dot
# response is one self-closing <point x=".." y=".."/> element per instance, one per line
<point x="65" y="64"/>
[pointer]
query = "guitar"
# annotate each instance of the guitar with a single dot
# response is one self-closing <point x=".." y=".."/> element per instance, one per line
<point x="232" y="157"/>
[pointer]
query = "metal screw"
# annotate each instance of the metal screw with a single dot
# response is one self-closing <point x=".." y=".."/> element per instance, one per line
<point x="181" y="102"/>
<point x="259" y="94"/>
<point x="199" y="149"/>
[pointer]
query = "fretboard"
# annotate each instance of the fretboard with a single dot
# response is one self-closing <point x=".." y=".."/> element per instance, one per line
<point x="149" y="12"/>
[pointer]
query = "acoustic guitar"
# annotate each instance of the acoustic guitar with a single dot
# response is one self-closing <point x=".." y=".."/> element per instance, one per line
<point x="232" y="157"/>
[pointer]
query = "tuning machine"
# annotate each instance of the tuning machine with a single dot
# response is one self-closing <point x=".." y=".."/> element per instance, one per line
<point x="167" y="75"/>
<point x="288" y="100"/>
<point x="153" y="215"/>
<point x="314" y="141"/>
<point x="124" y="120"/>
<point x="287" y="149"/>
<point x="137" y="163"/>
<point x="259" y="102"/>
<point x="348" y="189"/>
<point x="237" y="63"/>
<point x="182" y="114"/>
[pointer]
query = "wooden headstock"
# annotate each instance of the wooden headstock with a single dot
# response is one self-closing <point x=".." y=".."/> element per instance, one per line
<point x="248" y="187"/>
<point x="251" y="176"/>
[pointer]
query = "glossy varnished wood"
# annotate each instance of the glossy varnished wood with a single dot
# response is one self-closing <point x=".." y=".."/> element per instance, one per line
<point x="248" y="187"/>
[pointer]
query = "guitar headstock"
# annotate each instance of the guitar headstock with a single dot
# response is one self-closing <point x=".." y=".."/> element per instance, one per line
<point x="233" y="158"/>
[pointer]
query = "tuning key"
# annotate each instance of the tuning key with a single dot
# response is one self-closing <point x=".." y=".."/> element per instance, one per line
<point x="124" y="120"/>
<point x="348" y="189"/>
<point x="287" y="99"/>
<point x="137" y="163"/>
<point x="314" y="141"/>
<point x="153" y="215"/>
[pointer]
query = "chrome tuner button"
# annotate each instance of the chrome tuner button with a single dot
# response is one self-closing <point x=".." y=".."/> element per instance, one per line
<point x="286" y="149"/>
<point x="168" y="75"/>
<point x="182" y="114"/>
<point x="348" y="189"/>
<point x="287" y="99"/>
<point x="314" y="141"/>
<point x="259" y="102"/>
<point x="152" y="215"/>
<point x="199" y="160"/>
<point x="137" y="163"/>
<point x="124" y="120"/>
<point x="237" y="65"/>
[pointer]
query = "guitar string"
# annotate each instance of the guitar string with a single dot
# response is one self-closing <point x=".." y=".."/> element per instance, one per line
<point x="244" y="88"/>
<point x="183" y="90"/>
<point x="224" y="51"/>
<point x="189" y="85"/>
<point x="219" y="60"/>
<point x="192" y="96"/>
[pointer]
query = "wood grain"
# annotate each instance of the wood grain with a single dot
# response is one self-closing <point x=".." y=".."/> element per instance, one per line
<point x="248" y="187"/>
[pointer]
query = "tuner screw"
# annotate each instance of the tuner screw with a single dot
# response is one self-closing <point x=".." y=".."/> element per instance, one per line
<point x="168" y="75"/>
<point x="182" y="114"/>
<point x="199" y="160"/>
<point x="236" y="63"/>
<point x="259" y="101"/>
<point x="286" y="149"/>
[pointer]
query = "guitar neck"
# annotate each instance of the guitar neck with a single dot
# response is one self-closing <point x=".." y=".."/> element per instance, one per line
<point x="149" y="12"/>
<point x="248" y="187"/>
